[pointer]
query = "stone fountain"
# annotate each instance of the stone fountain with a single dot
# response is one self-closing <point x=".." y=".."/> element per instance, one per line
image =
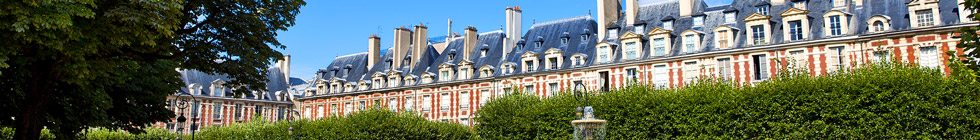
<point x="587" y="127"/>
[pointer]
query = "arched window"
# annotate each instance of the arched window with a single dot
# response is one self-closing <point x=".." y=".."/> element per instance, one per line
<point x="879" y="26"/>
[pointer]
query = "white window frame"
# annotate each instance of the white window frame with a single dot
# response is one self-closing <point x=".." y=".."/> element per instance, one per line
<point x="464" y="100"/>
<point x="929" y="57"/>
<point x="691" y="71"/>
<point x="660" y="75"/>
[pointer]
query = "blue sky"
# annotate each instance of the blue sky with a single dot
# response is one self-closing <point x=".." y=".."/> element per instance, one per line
<point x="326" y="29"/>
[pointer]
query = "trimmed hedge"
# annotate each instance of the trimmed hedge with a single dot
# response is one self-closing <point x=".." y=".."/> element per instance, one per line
<point x="374" y="123"/>
<point x="883" y="101"/>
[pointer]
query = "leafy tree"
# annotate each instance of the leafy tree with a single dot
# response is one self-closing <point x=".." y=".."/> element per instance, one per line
<point x="69" y="65"/>
<point x="968" y="36"/>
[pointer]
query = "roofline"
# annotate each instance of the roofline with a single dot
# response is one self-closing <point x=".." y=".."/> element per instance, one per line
<point x="824" y="41"/>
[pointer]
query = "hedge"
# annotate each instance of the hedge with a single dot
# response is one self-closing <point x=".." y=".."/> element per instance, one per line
<point x="882" y="101"/>
<point x="374" y="123"/>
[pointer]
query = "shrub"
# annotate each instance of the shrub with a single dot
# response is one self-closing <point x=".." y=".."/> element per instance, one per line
<point x="150" y="134"/>
<point x="883" y="101"/>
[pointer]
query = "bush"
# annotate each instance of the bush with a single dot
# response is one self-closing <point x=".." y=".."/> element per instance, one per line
<point x="884" y="101"/>
<point x="150" y="134"/>
<point x="370" y="124"/>
<point x="7" y="133"/>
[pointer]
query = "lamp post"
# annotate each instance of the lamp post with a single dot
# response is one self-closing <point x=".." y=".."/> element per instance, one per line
<point x="182" y="104"/>
<point x="587" y="127"/>
<point x="292" y="122"/>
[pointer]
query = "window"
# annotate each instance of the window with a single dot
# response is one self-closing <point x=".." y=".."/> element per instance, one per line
<point x="631" y="75"/>
<point x="759" y="67"/>
<point x="564" y="41"/>
<point x="764" y="10"/>
<point x="585" y="38"/>
<point x="725" y="68"/>
<point x="604" y="80"/>
<point x="361" y="105"/>
<point x="483" y="52"/>
<point x="879" y="26"/>
<point x="758" y="35"/>
<point x="638" y="29"/>
<point x="320" y="111"/>
<point x="689" y="43"/>
<point x="836" y="58"/>
<point x="348" y="108"/>
<point x="730" y="17"/>
<point x="630" y="50"/>
<point x="334" y="111"/>
<point x="800" y="5"/>
<point x="427" y="79"/>
<point x="445" y="76"/>
<point x="464" y="100"/>
<point x="840" y="3"/>
<point x="409" y="104"/>
<point x="484" y="97"/>
<point x="835" y="26"/>
<point x="258" y="110"/>
<point x="924" y="18"/>
<point x="604" y="54"/>
<point x="554" y="63"/>
<point x="506" y="90"/>
<point x="537" y="44"/>
<point x="882" y="56"/>
<point x="723" y="39"/>
<point x="238" y="112"/>
<point x="444" y="101"/>
<point x="452" y="56"/>
<point x="798" y="59"/>
<point x="613" y="34"/>
<point x="307" y="112"/>
<point x="668" y="25"/>
<point x="464" y="73"/>
<point x="529" y="89"/>
<point x="426" y="103"/>
<point x="691" y="71"/>
<point x="392" y="82"/>
<point x="393" y="104"/>
<point x="659" y="47"/>
<point x="698" y="21"/>
<point x="529" y="66"/>
<point x="194" y="109"/>
<point x="346" y="71"/>
<point x="465" y="121"/>
<point x="795" y="30"/>
<point x="660" y="77"/>
<point x="282" y="113"/>
<point x="552" y="89"/>
<point x="217" y="111"/>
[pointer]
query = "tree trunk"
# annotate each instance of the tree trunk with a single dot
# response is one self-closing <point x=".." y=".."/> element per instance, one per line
<point x="31" y="118"/>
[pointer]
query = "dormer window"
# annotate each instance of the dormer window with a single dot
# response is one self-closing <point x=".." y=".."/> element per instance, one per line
<point x="878" y="23"/>
<point x="762" y="9"/>
<point x="389" y="63"/>
<point x="800" y="4"/>
<point x="698" y="21"/>
<point x="452" y="56"/>
<point x="486" y="71"/>
<point x="584" y="38"/>
<point x="924" y="18"/>
<point x="464" y="70"/>
<point x="446" y="72"/>
<point x="346" y="71"/>
<point x="408" y="61"/>
<point x="878" y="26"/>
<point x="669" y="25"/>
<point x="426" y="79"/>
<point x="537" y="44"/>
<point x="730" y="17"/>
<point x="630" y="50"/>
<point x="638" y="28"/>
<point x="724" y="35"/>
<point x="553" y="63"/>
<point x="613" y="33"/>
<point x="924" y="13"/>
<point x="840" y="3"/>
<point x="604" y="53"/>
<point x="483" y="52"/>
<point x="529" y="66"/>
<point x="564" y="41"/>
<point x="393" y="82"/>
<point x="689" y="43"/>
<point x="836" y="23"/>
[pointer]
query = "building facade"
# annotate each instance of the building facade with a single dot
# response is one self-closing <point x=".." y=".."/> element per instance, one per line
<point x="665" y="44"/>
<point x="215" y="105"/>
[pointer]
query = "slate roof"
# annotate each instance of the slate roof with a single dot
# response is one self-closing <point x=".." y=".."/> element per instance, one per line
<point x="550" y="33"/>
<point x="492" y="41"/>
<point x="275" y="85"/>
<point x="357" y="63"/>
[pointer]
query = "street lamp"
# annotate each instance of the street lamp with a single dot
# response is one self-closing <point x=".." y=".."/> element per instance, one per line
<point x="292" y="122"/>
<point x="183" y="104"/>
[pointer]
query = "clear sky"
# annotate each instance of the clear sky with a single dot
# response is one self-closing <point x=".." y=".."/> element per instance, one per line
<point x="326" y="29"/>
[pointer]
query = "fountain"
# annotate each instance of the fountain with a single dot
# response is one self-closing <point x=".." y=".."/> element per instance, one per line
<point x="587" y="127"/>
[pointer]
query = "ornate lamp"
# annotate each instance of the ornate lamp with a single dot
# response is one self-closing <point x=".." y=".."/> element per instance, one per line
<point x="587" y="127"/>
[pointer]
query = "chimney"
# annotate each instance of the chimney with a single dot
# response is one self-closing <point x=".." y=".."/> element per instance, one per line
<point x="285" y="67"/>
<point x="513" y="29"/>
<point x="374" y="50"/>
<point x="469" y="41"/>
<point x="608" y="14"/>
<point x="421" y="41"/>
<point x="687" y="7"/>
<point x="774" y="2"/>
<point x="631" y="10"/>
<point x="449" y="31"/>
<point x="403" y="39"/>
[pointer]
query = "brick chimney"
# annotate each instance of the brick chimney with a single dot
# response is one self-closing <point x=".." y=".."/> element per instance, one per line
<point x="632" y="7"/>
<point x="608" y="14"/>
<point x="403" y="40"/>
<point x="374" y="50"/>
<point x="419" y="43"/>
<point x="469" y="41"/>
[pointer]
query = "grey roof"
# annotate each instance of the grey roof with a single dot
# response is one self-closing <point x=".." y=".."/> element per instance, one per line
<point x="491" y="41"/>
<point x="276" y="83"/>
<point x="550" y="34"/>
<point x="357" y="63"/>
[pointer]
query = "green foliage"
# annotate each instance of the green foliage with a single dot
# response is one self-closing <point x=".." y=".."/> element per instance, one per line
<point x="71" y="65"/>
<point x="370" y="124"/>
<point x="882" y="101"/>
<point x="968" y="37"/>
<point x="7" y="133"/>
<point x="106" y="134"/>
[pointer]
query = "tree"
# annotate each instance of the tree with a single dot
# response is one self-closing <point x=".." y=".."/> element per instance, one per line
<point x="968" y="36"/>
<point x="69" y="65"/>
